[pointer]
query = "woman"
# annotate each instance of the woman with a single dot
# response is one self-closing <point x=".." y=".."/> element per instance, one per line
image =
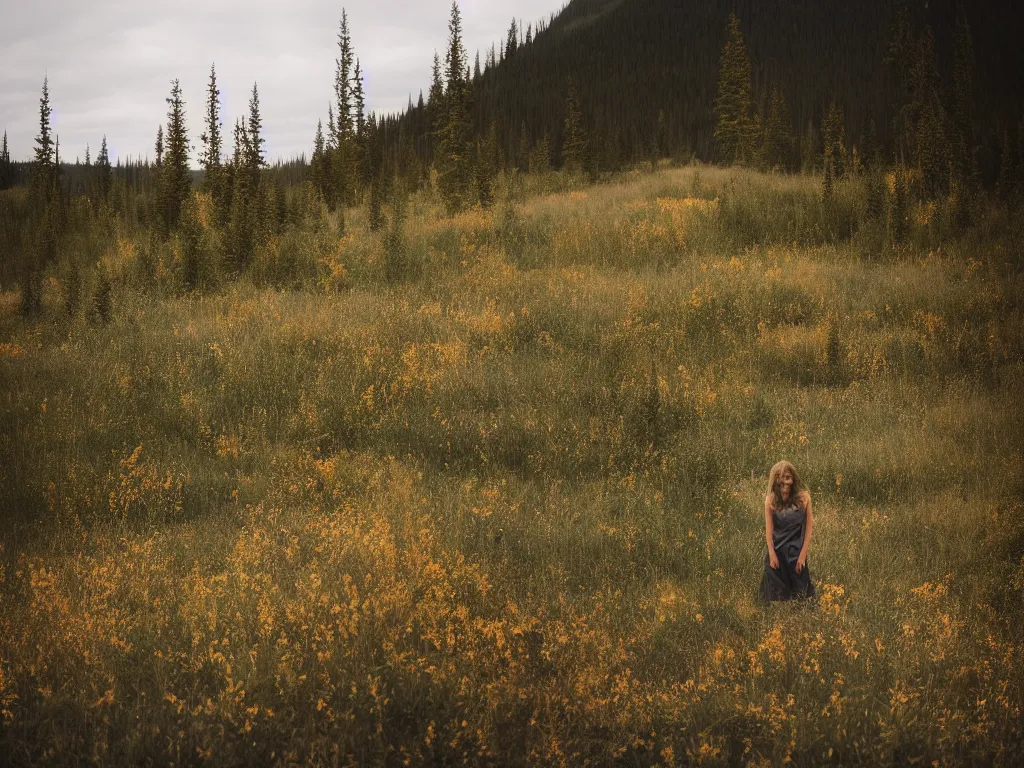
<point x="788" y="521"/>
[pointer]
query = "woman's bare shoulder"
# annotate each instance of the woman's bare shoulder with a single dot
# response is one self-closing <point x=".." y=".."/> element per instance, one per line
<point x="804" y="499"/>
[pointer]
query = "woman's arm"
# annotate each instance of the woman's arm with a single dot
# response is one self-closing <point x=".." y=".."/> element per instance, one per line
<point x="769" y="529"/>
<point x="808" y="527"/>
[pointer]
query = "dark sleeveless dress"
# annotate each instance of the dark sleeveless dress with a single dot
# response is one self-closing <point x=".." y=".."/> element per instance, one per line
<point x="784" y="583"/>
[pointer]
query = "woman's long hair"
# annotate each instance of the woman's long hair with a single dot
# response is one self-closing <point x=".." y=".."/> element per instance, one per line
<point x="798" y="494"/>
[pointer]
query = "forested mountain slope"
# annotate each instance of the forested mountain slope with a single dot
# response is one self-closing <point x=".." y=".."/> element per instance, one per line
<point x="647" y="70"/>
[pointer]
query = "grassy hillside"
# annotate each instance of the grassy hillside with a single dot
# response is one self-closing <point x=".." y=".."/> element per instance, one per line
<point x="488" y="490"/>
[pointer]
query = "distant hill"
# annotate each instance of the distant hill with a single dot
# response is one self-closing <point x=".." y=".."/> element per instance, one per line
<point x="634" y="60"/>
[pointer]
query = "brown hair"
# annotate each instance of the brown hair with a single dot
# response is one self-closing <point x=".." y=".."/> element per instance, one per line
<point x="800" y="495"/>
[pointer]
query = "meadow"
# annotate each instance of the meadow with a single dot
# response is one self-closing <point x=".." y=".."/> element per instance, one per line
<point x="488" y="489"/>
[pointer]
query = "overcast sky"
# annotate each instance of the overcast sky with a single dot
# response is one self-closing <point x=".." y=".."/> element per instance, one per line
<point x="110" y="63"/>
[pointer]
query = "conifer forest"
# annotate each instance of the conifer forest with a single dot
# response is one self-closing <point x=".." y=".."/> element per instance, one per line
<point x="447" y="440"/>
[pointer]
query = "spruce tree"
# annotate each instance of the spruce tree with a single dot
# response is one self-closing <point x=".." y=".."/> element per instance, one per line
<point x="833" y="132"/>
<point x="734" y="102"/>
<point x="435" y="104"/>
<point x="540" y="155"/>
<point x="899" y="208"/>
<point x="45" y="204"/>
<point x="103" y="175"/>
<point x="523" y="149"/>
<point x="363" y="158"/>
<point x="159" y="147"/>
<point x="932" y="153"/>
<point x="575" y="145"/>
<point x="343" y="162"/>
<point x="492" y="151"/>
<point x="778" y="134"/>
<point x="44" y="172"/>
<point x="255" y="159"/>
<point x="209" y="158"/>
<point x="6" y="180"/>
<point x="454" y="159"/>
<point x="483" y="173"/>
<point x="241" y="231"/>
<point x="317" y="167"/>
<point x="215" y="178"/>
<point x="177" y="183"/>
<point x="963" y="103"/>
<point x="358" y="100"/>
<point x="343" y="79"/>
<point x="512" y="41"/>
<point x="374" y="173"/>
<point x="875" y="178"/>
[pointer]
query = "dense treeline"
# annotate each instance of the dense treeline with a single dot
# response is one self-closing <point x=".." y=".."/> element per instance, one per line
<point x="919" y="97"/>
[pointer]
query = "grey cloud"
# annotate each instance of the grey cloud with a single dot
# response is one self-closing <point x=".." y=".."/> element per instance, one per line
<point x="110" y="63"/>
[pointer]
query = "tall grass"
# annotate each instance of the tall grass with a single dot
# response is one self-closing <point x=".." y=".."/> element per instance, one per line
<point x="502" y="505"/>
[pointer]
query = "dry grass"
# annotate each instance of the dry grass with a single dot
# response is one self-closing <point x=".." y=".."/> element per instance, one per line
<point x="506" y="511"/>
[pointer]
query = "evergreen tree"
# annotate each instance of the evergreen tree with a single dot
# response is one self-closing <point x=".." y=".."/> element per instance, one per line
<point x="255" y="159"/>
<point x="242" y="228"/>
<point x="319" y="172"/>
<point x="522" y="161"/>
<point x="177" y="183"/>
<point x="734" y="102"/>
<point x="216" y="180"/>
<point x="833" y="132"/>
<point x="374" y="174"/>
<point x="899" y="209"/>
<point x="45" y="205"/>
<point x="332" y="129"/>
<point x="343" y="80"/>
<point x="159" y="147"/>
<point x="965" y="168"/>
<point x="454" y="157"/>
<point x="540" y="156"/>
<point x="435" y="97"/>
<point x="103" y="175"/>
<point x="363" y="155"/>
<point x="6" y="172"/>
<point x="778" y="134"/>
<point x="209" y="158"/>
<point x="435" y="110"/>
<point x="483" y="173"/>
<point x="932" y="155"/>
<point x="900" y="58"/>
<point x="44" y="168"/>
<point x="343" y="161"/>
<point x="875" y="177"/>
<point x="575" y="145"/>
<point x="358" y="100"/>
<point x="512" y="42"/>
<point x="476" y="68"/>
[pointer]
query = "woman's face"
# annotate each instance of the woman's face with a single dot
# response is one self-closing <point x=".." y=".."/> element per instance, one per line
<point x="785" y="484"/>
